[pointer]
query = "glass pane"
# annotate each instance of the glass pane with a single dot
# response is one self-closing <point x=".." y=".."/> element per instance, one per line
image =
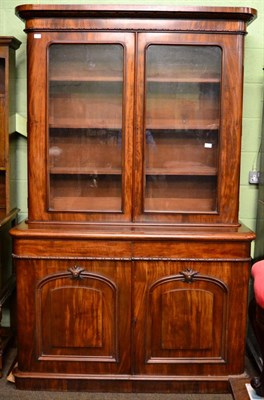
<point x="85" y="127"/>
<point x="182" y="128"/>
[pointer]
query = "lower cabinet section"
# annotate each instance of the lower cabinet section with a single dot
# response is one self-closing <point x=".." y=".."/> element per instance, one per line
<point x="99" y="320"/>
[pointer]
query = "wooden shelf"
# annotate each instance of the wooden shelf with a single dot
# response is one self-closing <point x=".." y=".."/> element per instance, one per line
<point x="85" y="171"/>
<point x="163" y="112"/>
<point x="191" y="170"/>
<point x="152" y="79"/>
<point x="179" y="204"/>
<point x="186" y="124"/>
<point x="103" y="204"/>
<point x="158" y="124"/>
<point x="68" y="79"/>
<point x="169" y="168"/>
<point x="97" y="111"/>
<point x="169" y="113"/>
<point x="63" y="123"/>
<point x="201" y="171"/>
<point x="174" y="72"/>
<point x="183" y="78"/>
<point x="75" y="74"/>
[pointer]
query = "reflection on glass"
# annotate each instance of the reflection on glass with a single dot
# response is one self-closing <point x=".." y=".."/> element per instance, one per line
<point x="182" y="128"/>
<point x="85" y="127"/>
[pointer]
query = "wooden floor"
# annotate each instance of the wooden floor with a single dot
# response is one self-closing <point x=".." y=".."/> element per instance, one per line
<point x="238" y="389"/>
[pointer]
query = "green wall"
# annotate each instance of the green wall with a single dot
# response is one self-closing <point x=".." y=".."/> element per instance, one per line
<point x="253" y="92"/>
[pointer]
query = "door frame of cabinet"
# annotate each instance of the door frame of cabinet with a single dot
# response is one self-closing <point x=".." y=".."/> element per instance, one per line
<point x="133" y="159"/>
<point x="38" y="122"/>
<point x="229" y="130"/>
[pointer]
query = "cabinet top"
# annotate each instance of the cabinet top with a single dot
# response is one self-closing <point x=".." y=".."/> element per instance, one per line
<point x="10" y="41"/>
<point x="132" y="232"/>
<point x="29" y="11"/>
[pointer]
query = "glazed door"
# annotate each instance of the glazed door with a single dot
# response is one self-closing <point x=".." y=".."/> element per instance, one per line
<point x="184" y="139"/>
<point x="89" y="127"/>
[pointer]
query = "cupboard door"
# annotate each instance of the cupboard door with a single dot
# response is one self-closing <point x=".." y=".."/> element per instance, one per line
<point x="76" y="315"/>
<point x="179" y="110"/>
<point x="89" y="126"/>
<point x="186" y="317"/>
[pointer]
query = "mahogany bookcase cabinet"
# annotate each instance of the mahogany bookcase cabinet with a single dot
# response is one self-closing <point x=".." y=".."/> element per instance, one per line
<point x="8" y="210"/>
<point x="132" y="268"/>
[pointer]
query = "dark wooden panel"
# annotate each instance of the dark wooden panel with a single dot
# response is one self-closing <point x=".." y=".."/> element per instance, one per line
<point x="194" y="329"/>
<point x="77" y="316"/>
<point x="81" y="319"/>
<point x="188" y="312"/>
<point x="186" y="319"/>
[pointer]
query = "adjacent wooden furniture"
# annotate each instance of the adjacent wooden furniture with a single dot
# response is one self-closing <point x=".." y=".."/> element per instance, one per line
<point x="133" y="267"/>
<point x="8" y="211"/>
